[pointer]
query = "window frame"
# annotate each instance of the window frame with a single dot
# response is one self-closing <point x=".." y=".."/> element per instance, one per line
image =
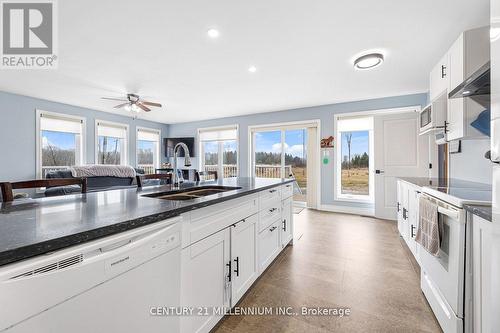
<point x="220" y="146"/>
<point x="126" y="143"/>
<point x="38" y="144"/>
<point x="158" y="149"/>
<point x="339" y="196"/>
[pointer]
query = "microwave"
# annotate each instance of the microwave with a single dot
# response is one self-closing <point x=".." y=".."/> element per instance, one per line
<point x="433" y="116"/>
<point x="425" y="119"/>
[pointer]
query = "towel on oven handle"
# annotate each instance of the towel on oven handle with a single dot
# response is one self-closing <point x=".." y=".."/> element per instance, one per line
<point x="428" y="231"/>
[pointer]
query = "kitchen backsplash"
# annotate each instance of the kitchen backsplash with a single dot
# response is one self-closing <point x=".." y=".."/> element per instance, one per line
<point x="470" y="164"/>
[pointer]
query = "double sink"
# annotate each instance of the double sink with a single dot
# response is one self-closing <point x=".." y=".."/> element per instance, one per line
<point x="191" y="193"/>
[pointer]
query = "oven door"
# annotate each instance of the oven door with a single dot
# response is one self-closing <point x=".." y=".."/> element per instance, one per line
<point x="445" y="273"/>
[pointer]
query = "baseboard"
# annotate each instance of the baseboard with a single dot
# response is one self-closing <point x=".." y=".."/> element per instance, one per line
<point x="368" y="211"/>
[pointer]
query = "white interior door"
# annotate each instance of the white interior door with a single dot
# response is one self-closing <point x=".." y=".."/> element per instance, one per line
<point x="399" y="152"/>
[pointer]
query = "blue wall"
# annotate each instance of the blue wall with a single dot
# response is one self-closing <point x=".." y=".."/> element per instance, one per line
<point x="18" y="127"/>
<point x="17" y="131"/>
<point x="325" y="113"/>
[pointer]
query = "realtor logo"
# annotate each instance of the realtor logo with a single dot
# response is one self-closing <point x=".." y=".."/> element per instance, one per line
<point x="28" y="34"/>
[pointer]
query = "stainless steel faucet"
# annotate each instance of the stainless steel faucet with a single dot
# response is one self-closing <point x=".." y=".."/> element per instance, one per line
<point x="187" y="161"/>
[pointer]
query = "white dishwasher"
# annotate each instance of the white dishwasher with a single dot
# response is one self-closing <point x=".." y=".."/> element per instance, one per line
<point x="107" y="285"/>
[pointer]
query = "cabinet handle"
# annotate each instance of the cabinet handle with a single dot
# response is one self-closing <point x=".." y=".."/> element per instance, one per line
<point x="443" y="71"/>
<point x="399" y="207"/>
<point x="272" y="229"/>
<point x="412" y="231"/>
<point x="272" y="191"/>
<point x="289" y="185"/>
<point x="284" y="225"/>
<point x="229" y="274"/>
<point x="272" y="210"/>
<point x="237" y="270"/>
<point x="404" y="213"/>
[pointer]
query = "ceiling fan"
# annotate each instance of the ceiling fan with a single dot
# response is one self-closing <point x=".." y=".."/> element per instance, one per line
<point x="133" y="103"/>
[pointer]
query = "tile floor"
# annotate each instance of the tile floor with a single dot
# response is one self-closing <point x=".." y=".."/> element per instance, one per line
<point x="339" y="261"/>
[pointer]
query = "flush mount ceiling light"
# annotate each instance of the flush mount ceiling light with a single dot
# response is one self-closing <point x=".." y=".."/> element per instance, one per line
<point x="252" y="69"/>
<point x="213" y="33"/>
<point x="369" y="61"/>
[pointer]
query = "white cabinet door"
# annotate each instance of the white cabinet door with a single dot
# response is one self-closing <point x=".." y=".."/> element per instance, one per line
<point x="456" y="63"/>
<point x="399" y="207"/>
<point x="470" y="51"/>
<point x="439" y="78"/>
<point x="412" y="220"/>
<point x="455" y="110"/>
<point x="404" y="210"/>
<point x="205" y="280"/>
<point x="269" y="245"/>
<point x="244" y="257"/>
<point x="287" y="222"/>
<point x="481" y="273"/>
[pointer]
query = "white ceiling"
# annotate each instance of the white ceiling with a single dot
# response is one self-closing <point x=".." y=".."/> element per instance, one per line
<point x="301" y="48"/>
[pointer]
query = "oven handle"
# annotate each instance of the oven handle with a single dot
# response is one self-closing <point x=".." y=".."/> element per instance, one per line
<point x="448" y="212"/>
<point x="452" y="213"/>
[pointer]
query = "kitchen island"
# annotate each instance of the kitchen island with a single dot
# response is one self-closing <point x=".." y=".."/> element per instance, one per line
<point x="31" y="227"/>
<point x="198" y="248"/>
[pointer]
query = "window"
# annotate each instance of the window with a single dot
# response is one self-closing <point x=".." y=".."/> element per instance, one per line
<point x="354" y="180"/>
<point x="111" y="143"/>
<point x="148" y="149"/>
<point x="60" y="142"/>
<point x="219" y="150"/>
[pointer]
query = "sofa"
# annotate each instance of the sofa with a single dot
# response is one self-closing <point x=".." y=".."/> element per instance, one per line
<point x="94" y="184"/>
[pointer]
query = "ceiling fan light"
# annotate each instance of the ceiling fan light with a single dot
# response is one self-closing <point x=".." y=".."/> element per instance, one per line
<point x="369" y="61"/>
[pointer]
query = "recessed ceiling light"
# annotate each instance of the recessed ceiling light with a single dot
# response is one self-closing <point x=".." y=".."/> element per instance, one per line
<point x="369" y="61"/>
<point x="252" y="69"/>
<point x="213" y="33"/>
<point x="494" y="33"/>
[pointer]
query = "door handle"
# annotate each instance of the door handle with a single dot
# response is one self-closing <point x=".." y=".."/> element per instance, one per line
<point x="379" y="171"/>
<point x="284" y="225"/>
<point x="237" y="270"/>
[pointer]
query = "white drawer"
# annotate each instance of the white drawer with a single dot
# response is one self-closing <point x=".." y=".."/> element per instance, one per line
<point x="203" y="222"/>
<point x="286" y="191"/>
<point x="269" y="215"/>
<point x="269" y="245"/>
<point x="269" y="197"/>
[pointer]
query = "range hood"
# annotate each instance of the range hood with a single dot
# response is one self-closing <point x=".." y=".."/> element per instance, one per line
<point x="478" y="84"/>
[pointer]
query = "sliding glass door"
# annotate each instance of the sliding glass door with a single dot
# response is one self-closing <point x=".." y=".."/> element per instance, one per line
<point x="296" y="160"/>
<point x="281" y="153"/>
<point x="268" y="151"/>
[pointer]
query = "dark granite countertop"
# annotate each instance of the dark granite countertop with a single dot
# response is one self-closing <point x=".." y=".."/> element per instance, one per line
<point x="481" y="211"/>
<point x="31" y="227"/>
